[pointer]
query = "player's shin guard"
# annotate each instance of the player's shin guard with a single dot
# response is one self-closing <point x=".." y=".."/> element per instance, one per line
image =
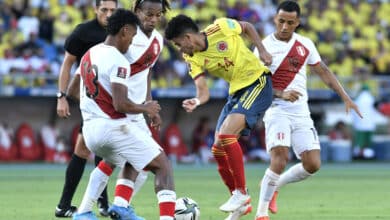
<point x="166" y="202"/>
<point x="236" y="162"/>
<point x="97" y="182"/>
<point x="295" y="173"/>
<point x="223" y="167"/>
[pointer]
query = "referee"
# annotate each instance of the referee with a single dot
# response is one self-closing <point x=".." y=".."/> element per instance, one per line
<point x="83" y="37"/>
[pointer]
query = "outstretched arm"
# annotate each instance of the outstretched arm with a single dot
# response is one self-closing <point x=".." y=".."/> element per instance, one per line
<point x="332" y="82"/>
<point x="249" y="30"/>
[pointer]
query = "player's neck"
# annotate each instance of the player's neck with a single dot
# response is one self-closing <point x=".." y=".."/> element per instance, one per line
<point x="281" y="38"/>
<point x="202" y="43"/>
<point x="147" y="33"/>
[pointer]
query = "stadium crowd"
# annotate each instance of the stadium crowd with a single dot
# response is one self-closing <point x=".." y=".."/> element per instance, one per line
<point x="353" y="36"/>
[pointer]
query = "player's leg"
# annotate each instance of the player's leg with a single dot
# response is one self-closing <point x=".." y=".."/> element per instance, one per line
<point x="97" y="182"/>
<point x="247" y="106"/>
<point x="74" y="172"/>
<point x="164" y="185"/>
<point x="278" y="138"/>
<point x="306" y="146"/>
<point x="220" y="155"/>
<point x="102" y="202"/>
<point x="229" y="131"/>
<point x="124" y="191"/>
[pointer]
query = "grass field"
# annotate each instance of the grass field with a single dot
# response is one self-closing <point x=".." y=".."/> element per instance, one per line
<point x="338" y="192"/>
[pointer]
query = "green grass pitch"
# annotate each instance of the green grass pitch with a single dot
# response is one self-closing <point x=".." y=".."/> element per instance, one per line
<point x="337" y="192"/>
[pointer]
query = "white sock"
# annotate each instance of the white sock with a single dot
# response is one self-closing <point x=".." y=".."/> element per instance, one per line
<point x="139" y="182"/>
<point x="296" y="173"/>
<point x="268" y="186"/>
<point x="167" y="197"/>
<point x="97" y="182"/>
<point x="118" y="199"/>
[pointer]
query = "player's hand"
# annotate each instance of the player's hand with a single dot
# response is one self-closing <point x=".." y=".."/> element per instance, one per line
<point x="349" y="104"/>
<point x="291" y="95"/>
<point x="190" y="104"/>
<point x="152" y="108"/>
<point x="155" y="121"/>
<point x="266" y="58"/>
<point x="63" y="108"/>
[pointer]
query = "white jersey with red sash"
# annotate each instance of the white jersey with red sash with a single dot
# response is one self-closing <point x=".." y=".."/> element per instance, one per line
<point x="288" y="69"/>
<point x="143" y="54"/>
<point x="100" y="66"/>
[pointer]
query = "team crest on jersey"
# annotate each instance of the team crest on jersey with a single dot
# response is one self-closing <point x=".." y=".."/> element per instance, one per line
<point x="122" y="72"/>
<point x="301" y="50"/>
<point x="222" y="46"/>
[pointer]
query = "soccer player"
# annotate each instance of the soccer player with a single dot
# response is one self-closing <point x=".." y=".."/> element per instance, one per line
<point x="287" y="121"/>
<point x="79" y="41"/>
<point x="114" y="126"/>
<point x="221" y="51"/>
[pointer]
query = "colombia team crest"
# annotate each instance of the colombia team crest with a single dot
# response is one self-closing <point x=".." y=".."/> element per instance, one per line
<point x="222" y="46"/>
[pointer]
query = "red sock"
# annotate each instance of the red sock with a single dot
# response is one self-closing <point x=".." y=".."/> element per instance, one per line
<point x="223" y="167"/>
<point x="105" y="168"/>
<point x="166" y="203"/>
<point x="234" y="155"/>
<point x="123" y="192"/>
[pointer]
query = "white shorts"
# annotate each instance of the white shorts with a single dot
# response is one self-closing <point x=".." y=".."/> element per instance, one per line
<point x="293" y="131"/>
<point x="121" y="140"/>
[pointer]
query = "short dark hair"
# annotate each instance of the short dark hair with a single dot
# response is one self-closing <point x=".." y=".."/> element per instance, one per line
<point x="97" y="2"/>
<point x="289" y="6"/>
<point x="180" y="25"/>
<point x="120" y="18"/>
<point x="165" y="4"/>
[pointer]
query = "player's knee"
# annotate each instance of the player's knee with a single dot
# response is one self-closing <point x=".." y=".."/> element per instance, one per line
<point x="279" y="159"/>
<point x="312" y="166"/>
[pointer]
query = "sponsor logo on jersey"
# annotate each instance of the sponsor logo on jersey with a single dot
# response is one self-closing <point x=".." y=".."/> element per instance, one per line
<point x="222" y="46"/>
<point x="122" y="72"/>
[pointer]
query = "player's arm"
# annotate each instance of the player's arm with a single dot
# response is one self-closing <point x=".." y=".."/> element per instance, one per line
<point x="290" y="95"/>
<point x="123" y="104"/>
<point x="249" y="30"/>
<point x="202" y="94"/>
<point x="156" y="119"/>
<point x="63" y="80"/>
<point x="74" y="88"/>
<point x="332" y="82"/>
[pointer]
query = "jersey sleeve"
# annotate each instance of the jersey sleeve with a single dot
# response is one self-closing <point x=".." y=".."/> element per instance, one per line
<point x="229" y="26"/>
<point x="194" y="69"/>
<point x="120" y="71"/>
<point x="73" y="42"/>
<point x="314" y="57"/>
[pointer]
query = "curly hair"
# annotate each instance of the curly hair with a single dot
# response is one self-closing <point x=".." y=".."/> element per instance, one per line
<point x="165" y="4"/>
<point x="180" y="25"/>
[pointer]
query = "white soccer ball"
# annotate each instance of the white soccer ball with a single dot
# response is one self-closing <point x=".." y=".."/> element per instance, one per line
<point x="186" y="209"/>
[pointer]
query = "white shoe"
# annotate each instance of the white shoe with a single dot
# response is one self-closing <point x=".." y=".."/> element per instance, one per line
<point x="236" y="201"/>
<point x="243" y="210"/>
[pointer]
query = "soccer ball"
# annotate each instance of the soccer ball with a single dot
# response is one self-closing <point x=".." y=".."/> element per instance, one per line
<point x="186" y="209"/>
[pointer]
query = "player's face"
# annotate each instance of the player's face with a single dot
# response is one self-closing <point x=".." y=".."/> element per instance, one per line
<point x="184" y="44"/>
<point x="105" y="10"/>
<point x="286" y="23"/>
<point x="127" y="35"/>
<point x="150" y="14"/>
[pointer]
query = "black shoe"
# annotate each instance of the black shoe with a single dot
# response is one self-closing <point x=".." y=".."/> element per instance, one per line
<point x="103" y="207"/>
<point x="65" y="212"/>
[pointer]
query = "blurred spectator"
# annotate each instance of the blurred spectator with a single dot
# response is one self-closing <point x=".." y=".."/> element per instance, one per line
<point x="28" y="24"/>
<point x="340" y="132"/>
<point x="202" y="140"/>
<point x="363" y="128"/>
